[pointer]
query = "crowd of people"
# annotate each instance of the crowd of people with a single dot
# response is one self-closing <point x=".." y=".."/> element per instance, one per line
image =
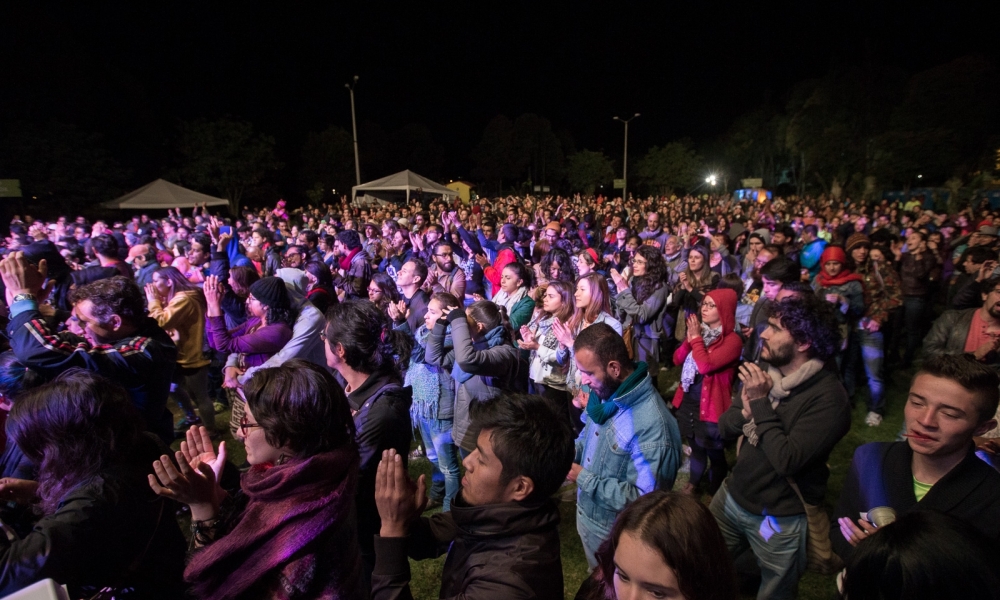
<point x="519" y="345"/>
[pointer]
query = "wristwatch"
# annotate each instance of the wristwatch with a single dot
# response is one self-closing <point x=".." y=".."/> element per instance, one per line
<point x="20" y="297"/>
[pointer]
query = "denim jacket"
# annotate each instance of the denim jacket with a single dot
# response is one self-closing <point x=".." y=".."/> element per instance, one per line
<point x="635" y="452"/>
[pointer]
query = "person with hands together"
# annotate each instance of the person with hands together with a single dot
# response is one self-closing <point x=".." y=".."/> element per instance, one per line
<point x="501" y="535"/>
<point x="642" y="304"/>
<point x="289" y="530"/>
<point x="792" y="415"/>
<point x="708" y="356"/>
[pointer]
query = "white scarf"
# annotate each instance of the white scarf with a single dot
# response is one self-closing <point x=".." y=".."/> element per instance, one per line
<point x="508" y="301"/>
<point x="782" y="389"/>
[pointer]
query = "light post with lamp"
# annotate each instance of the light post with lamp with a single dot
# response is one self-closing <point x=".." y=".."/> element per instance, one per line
<point x="625" y="159"/>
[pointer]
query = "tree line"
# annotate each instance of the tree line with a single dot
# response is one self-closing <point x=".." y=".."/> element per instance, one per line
<point x="857" y="130"/>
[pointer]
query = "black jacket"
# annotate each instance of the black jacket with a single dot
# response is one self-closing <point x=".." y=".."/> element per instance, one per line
<point x="881" y="475"/>
<point x="381" y="408"/>
<point x="99" y="530"/>
<point x="795" y="441"/>
<point x="508" y="550"/>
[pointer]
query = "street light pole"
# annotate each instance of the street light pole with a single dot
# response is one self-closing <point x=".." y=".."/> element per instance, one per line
<point x="625" y="159"/>
<point x="354" y="126"/>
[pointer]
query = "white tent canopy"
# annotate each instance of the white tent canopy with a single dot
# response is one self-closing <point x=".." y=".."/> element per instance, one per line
<point x="161" y="194"/>
<point x="398" y="186"/>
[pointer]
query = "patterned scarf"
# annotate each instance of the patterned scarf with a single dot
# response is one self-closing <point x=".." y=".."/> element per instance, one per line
<point x="690" y="369"/>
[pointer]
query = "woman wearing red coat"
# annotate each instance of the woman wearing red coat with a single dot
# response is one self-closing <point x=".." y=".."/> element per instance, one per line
<point x="709" y="355"/>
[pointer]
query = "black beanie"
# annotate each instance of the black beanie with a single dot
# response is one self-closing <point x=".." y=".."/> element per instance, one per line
<point x="271" y="292"/>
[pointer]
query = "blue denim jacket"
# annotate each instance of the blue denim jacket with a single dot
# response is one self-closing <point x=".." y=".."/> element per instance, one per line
<point x="633" y="453"/>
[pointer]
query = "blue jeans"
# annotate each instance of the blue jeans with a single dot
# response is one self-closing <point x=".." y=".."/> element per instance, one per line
<point x="780" y="546"/>
<point x="443" y="454"/>
<point x="592" y="536"/>
<point x="868" y="348"/>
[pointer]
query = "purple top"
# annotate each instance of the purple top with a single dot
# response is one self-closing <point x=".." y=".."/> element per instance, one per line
<point x="256" y="344"/>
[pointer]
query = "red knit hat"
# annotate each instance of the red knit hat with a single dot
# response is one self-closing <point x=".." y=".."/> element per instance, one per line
<point x="833" y="253"/>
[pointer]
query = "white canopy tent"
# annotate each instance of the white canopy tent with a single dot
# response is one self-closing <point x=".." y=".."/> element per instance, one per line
<point x="397" y="187"/>
<point x="161" y="194"/>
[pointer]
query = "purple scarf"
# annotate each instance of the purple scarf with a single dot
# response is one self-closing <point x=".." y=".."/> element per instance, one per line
<point x="295" y="512"/>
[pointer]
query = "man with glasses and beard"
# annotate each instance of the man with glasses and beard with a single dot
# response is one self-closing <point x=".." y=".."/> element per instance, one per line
<point x="444" y="275"/>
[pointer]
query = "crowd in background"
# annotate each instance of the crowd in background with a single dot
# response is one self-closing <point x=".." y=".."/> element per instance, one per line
<point x="490" y="335"/>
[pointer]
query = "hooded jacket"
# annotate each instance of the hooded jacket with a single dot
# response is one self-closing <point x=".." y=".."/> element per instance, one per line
<point x="717" y="363"/>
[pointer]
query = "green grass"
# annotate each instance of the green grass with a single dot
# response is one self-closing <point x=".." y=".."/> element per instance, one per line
<point x="426" y="575"/>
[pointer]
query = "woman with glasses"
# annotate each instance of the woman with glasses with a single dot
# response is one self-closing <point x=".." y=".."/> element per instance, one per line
<point x="289" y="530"/>
<point x="382" y="291"/>
<point x="709" y="357"/>
<point x="643" y="302"/>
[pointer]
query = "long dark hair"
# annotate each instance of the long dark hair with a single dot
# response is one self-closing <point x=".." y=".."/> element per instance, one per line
<point x="656" y="274"/>
<point x="180" y="283"/>
<point x="390" y="293"/>
<point x="686" y="536"/>
<point x="371" y="345"/>
<point x="299" y="405"/>
<point x="73" y="428"/>
<point x="561" y="258"/>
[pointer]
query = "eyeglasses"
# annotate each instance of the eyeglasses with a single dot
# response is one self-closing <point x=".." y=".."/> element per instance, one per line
<point x="443" y="254"/>
<point x="245" y="425"/>
<point x="636" y="261"/>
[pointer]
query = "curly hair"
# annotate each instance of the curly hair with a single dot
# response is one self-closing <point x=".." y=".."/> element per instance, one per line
<point x="656" y="274"/>
<point x="113" y="296"/>
<point x="299" y="405"/>
<point x="74" y="428"/>
<point x="562" y="259"/>
<point x="810" y="320"/>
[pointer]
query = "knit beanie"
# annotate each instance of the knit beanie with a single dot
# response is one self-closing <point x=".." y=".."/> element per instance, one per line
<point x="271" y="292"/>
<point x="855" y="240"/>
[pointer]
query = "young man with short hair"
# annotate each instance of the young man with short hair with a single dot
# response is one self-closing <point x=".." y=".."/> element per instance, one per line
<point x="953" y="398"/>
<point x="502" y="532"/>
<point x="413" y="306"/>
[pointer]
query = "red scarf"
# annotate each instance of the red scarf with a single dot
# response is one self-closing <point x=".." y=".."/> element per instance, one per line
<point x="845" y="276"/>
<point x="295" y="511"/>
<point x="345" y="263"/>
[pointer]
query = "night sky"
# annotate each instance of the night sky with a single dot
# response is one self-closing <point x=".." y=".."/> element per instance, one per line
<point x="132" y="70"/>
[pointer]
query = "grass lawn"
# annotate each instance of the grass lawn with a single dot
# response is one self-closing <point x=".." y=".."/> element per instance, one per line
<point x="426" y="575"/>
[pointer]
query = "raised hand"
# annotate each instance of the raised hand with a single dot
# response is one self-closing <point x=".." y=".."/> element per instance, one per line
<point x="193" y="484"/>
<point x="398" y="499"/>
<point x="563" y="333"/>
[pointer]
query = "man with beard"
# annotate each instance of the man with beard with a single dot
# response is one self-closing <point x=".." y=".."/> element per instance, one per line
<point x="653" y="234"/>
<point x="444" y="275"/>
<point x="630" y="445"/>
<point x="974" y="330"/>
<point x="791" y="415"/>
<point x="502" y="532"/>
